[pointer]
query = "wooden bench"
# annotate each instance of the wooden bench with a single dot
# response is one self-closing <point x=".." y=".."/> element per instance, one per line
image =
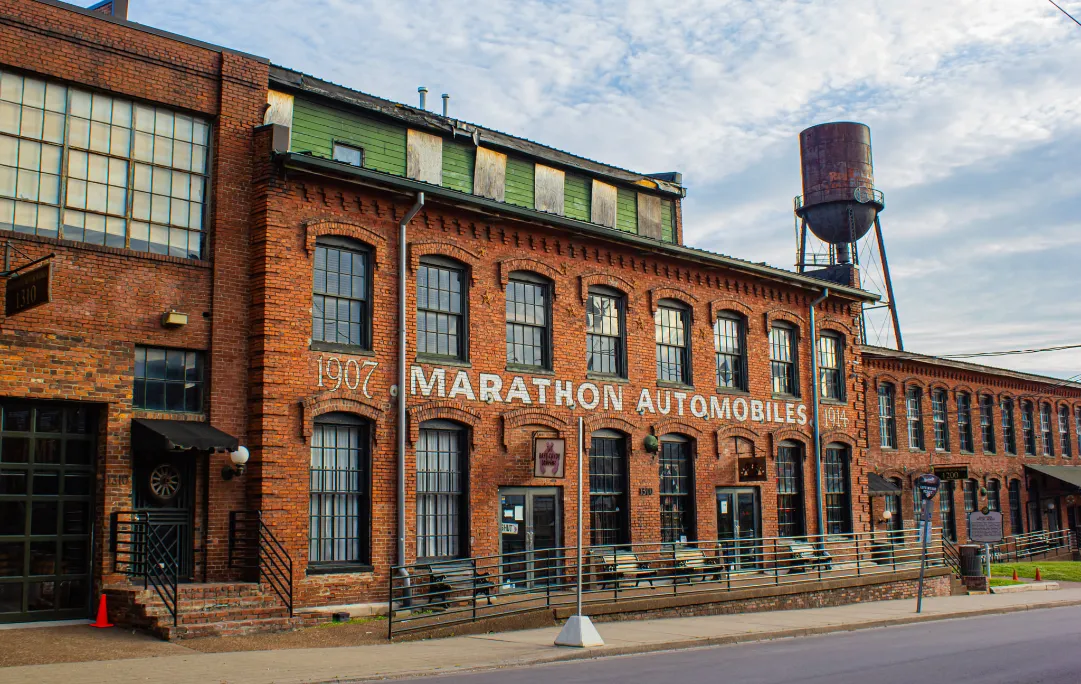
<point x="450" y="577"/>
<point x="624" y="566"/>
<point x="803" y="556"/>
<point x="692" y="563"/>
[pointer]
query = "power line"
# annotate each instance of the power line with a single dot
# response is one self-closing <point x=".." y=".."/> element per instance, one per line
<point x="1011" y="352"/>
<point x="1064" y="12"/>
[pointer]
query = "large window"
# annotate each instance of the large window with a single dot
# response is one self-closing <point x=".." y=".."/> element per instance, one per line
<point x="789" y="490"/>
<point x="964" y="421"/>
<point x="441" y="490"/>
<point x="1077" y="429"/>
<point x="782" y="360"/>
<point x="168" y="380"/>
<point x="102" y="170"/>
<point x="677" y="490"/>
<point x="987" y="423"/>
<point x="1047" y="440"/>
<point x="340" y="486"/>
<point x="914" y="416"/>
<point x="441" y="328"/>
<point x="938" y="419"/>
<point x="529" y="336"/>
<point x="341" y="304"/>
<point x="729" y="343"/>
<point x="887" y="428"/>
<point x="608" y="496"/>
<point x="1009" y="438"/>
<point x="1017" y="525"/>
<point x="1065" y="445"/>
<point x="993" y="502"/>
<point x="1028" y="427"/>
<point x="605" y="350"/>
<point x="838" y="490"/>
<point x="970" y="495"/>
<point x="673" y="358"/>
<point x="831" y="367"/>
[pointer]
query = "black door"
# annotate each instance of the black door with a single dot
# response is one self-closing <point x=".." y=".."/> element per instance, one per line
<point x="165" y="490"/>
<point x="47" y="457"/>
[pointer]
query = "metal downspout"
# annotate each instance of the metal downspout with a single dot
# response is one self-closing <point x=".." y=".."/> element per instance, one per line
<point x="402" y="280"/>
<point x="814" y="409"/>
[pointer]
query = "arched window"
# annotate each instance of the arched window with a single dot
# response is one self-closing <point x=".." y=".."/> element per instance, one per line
<point x="987" y="423"/>
<point x="892" y="505"/>
<point x="677" y="489"/>
<point x="993" y="502"/>
<point x="609" y="509"/>
<point x="939" y="418"/>
<point x="1028" y="427"/>
<point x="441" y="490"/>
<point x="1047" y="441"/>
<point x="340" y="491"/>
<point x="945" y="510"/>
<point x="442" y="326"/>
<point x="887" y="428"/>
<point x="782" y="360"/>
<point x="970" y="496"/>
<point x="831" y="366"/>
<point x="730" y="346"/>
<point x="1009" y="438"/>
<point x="1017" y="525"/>
<point x="529" y="321"/>
<point x="790" y="490"/>
<point x="1065" y="444"/>
<point x="341" y="301"/>
<point x="672" y="322"/>
<point x="964" y="421"/>
<point x="914" y="417"/>
<point x="605" y="332"/>
<point x="838" y="490"/>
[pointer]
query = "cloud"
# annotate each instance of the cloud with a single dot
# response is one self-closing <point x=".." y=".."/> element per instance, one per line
<point x="974" y="105"/>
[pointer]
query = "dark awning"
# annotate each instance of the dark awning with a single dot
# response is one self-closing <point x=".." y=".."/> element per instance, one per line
<point x="1071" y="475"/>
<point x="178" y="435"/>
<point x="880" y="486"/>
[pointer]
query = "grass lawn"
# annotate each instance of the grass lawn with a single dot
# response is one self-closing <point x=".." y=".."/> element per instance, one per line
<point x="1004" y="582"/>
<point x="1059" y="571"/>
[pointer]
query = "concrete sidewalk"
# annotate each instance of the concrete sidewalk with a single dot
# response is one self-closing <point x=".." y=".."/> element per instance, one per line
<point x="520" y="648"/>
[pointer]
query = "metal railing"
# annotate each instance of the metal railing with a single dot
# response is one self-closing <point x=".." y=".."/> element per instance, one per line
<point x="1031" y="544"/>
<point x="443" y="593"/>
<point x="147" y="543"/>
<point x="951" y="556"/>
<point x="253" y="546"/>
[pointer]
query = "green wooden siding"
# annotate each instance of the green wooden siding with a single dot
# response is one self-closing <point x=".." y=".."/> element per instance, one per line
<point x="627" y="210"/>
<point x="668" y="233"/>
<point x="520" y="182"/>
<point x="459" y="161"/>
<point x="317" y="127"/>
<point x="577" y="196"/>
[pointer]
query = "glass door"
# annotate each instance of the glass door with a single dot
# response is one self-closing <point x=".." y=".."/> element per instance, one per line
<point x="739" y="527"/>
<point x="945" y="509"/>
<point x="530" y="521"/>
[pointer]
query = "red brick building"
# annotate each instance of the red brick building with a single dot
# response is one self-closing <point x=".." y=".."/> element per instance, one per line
<point x="226" y="263"/>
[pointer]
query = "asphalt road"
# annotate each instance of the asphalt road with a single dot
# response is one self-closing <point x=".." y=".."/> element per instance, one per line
<point x="1030" y="647"/>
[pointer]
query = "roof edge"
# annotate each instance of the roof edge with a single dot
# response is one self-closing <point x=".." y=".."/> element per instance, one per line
<point x="886" y="352"/>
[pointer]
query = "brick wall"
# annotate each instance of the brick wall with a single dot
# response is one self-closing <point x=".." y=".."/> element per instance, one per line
<point x="105" y="300"/>
<point x="286" y="395"/>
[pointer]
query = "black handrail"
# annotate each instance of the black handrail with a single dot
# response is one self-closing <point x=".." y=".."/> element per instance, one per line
<point x="146" y="543"/>
<point x="253" y="545"/>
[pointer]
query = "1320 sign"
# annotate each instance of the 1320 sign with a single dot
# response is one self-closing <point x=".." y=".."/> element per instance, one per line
<point x="30" y="289"/>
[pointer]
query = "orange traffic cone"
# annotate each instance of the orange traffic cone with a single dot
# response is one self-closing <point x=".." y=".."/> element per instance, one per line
<point x="103" y="615"/>
<point x="1015" y="574"/>
<point x="1038" y="577"/>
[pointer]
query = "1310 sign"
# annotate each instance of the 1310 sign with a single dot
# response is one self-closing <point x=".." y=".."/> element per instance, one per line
<point x="27" y="290"/>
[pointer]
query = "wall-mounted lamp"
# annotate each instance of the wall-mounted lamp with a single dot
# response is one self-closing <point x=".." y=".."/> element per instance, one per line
<point x="174" y="319"/>
<point x="1050" y="506"/>
<point x="240" y="463"/>
<point x="886" y="515"/>
<point x="651" y="444"/>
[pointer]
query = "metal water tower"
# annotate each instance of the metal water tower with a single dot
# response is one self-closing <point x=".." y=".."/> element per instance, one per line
<point x="839" y="206"/>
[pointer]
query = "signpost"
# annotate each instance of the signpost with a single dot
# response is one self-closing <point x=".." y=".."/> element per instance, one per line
<point x="927" y="485"/>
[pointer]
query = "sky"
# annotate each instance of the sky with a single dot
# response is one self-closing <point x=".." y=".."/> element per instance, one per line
<point x="974" y="108"/>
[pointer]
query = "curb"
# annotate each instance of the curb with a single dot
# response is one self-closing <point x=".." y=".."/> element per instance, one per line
<point x="687" y="644"/>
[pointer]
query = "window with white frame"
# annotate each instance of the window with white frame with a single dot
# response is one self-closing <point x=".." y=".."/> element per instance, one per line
<point x="914" y="417"/>
<point x="964" y="421"/>
<point x="671" y="325"/>
<point x="1028" y="427"/>
<point x="99" y="169"/>
<point x="529" y="332"/>
<point x="1065" y="444"/>
<point x="1009" y="438"/>
<point x="887" y="430"/>
<point x="782" y="360"/>
<point x="938" y="420"/>
<point x="1047" y="440"/>
<point x="729" y="346"/>
<point x="831" y="367"/>
<point x="441" y="308"/>
<point x="605" y="348"/>
<point x="987" y="423"/>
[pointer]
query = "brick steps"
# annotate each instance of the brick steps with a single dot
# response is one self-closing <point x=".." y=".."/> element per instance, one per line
<point x="227" y="609"/>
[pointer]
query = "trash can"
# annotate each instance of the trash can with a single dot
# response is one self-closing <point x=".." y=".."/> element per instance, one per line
<point x="971" y="560"/>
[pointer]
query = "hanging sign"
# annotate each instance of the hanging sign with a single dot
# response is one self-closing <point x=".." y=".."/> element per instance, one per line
<point x="752" y="469"/>
<point x="959" y="472"/>
<point x="549" y="456"/>
<point x="28" y="290"/>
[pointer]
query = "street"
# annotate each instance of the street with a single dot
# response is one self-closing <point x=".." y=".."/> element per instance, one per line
<point x="1019" y="648"/>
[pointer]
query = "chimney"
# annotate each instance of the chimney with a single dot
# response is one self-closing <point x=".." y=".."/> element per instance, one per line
<point x="446" y="103"/>
<point x="423" y="97"/>
<point x="114" y="8"/>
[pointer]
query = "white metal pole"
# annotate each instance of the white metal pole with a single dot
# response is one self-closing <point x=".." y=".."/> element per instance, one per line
<point x="581" y="429"/>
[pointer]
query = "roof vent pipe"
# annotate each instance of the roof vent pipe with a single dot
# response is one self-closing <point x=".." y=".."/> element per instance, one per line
<point x="446" y="103"/>
<point x="423" y="97"/>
